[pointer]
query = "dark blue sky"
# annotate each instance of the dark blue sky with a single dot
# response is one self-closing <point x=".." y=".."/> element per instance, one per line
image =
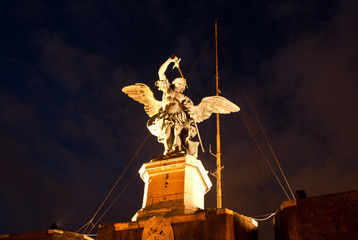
<point x="67" y="131"/>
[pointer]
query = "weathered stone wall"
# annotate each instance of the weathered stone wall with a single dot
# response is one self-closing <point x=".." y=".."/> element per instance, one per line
<point x="329" y="217"/>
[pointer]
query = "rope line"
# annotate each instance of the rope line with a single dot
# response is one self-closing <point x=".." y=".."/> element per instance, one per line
<point x="270" y="215"/>
<point x="202" y="51"/>
<point x="120" y="177"/>
<point x="246" y="125"/>
<point x="248" y="182"/>
<point x="120" y="194"/>
<point x="90" y="235"/>
<point x="265" y="158"/>
<point x="273" y="203"/>
<point x="272" y="151"/>
<point x="266" y="174"/>
<point x="245" y="119"/>
<point x="125" y="188"/>
<point x="261" y="128"/>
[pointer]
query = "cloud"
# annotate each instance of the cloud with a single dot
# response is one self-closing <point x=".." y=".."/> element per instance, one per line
<point x="72" y="68"/>
<point x="62" y="126"/>
<point x="317" y="76"/>
<point x="327" y="179"/>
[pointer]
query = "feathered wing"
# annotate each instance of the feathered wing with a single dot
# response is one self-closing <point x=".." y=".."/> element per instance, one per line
<point x="213" y="104"/>
<point x="142" y="93"/>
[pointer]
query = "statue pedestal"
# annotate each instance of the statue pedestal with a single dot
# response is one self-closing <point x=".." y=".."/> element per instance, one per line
<point x="174" y="186"/>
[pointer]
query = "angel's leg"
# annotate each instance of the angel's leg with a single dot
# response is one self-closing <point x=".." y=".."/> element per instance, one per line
<point x="177" y="139"/>
<point x="167" y="138"/>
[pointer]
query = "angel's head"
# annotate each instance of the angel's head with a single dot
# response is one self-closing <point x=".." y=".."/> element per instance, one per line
<point x="179" y="84"/>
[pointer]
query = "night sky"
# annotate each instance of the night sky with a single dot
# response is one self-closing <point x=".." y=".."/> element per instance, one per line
<point x="67" y="131"/>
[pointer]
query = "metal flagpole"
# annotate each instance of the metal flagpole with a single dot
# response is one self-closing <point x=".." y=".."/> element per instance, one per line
<point x="218" y="147"/>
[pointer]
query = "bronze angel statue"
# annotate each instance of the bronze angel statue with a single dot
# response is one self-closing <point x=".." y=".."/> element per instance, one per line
<point x="173" y="120"/>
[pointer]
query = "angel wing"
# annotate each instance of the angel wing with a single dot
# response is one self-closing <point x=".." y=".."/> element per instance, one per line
<point x="213" y="104"/>
<point x="142" y="93"/>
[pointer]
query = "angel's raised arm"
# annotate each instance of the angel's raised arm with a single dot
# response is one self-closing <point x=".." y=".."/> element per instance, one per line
<point x="163" y="68"/>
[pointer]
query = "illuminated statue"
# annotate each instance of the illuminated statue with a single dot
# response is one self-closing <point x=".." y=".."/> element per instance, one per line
<point x="173" y="120"/>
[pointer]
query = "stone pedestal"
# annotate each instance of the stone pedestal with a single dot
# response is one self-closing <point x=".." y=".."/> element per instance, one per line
<point x="173" y="187"/>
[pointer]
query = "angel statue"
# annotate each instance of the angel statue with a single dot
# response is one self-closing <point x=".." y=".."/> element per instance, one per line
<point x="173" y="120"/>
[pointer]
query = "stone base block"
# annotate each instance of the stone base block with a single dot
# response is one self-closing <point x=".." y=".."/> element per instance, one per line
<point x="221" y="224"/>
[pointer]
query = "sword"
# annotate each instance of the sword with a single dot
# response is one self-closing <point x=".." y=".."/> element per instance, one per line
<point x="176" y="65"/>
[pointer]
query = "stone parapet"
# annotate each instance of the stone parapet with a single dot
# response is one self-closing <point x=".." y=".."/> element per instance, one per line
<point x="215" y="224"/>
<point x="52" y="234"/>
<point x="328" y="217"/>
